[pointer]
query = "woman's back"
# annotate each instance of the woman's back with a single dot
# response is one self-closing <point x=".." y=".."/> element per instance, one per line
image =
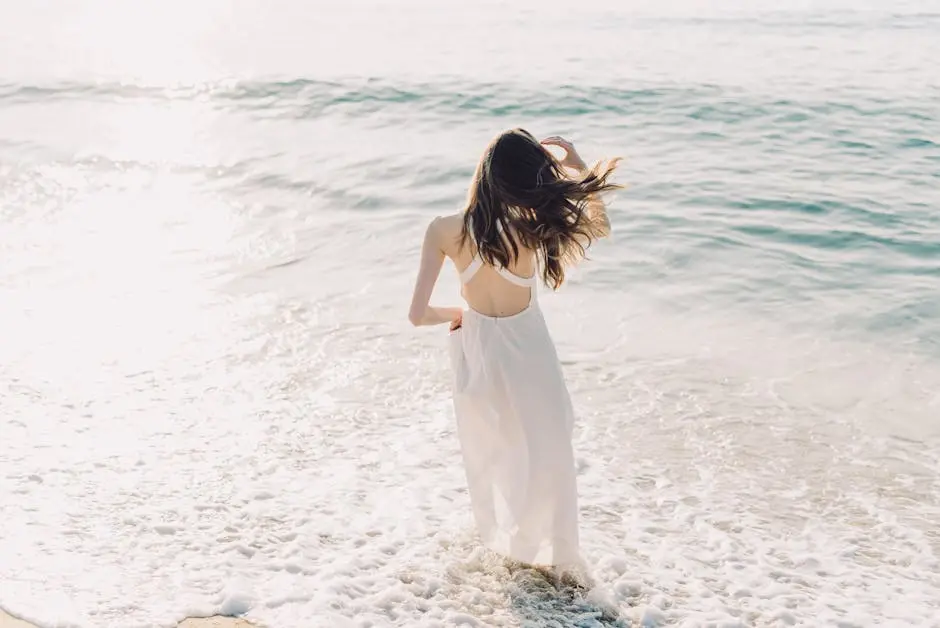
<point x="486" y="289"/>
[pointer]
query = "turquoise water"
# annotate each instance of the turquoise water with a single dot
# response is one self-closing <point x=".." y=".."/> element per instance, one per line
<point x="210" y="216"/>
<point x="820" y="210"/>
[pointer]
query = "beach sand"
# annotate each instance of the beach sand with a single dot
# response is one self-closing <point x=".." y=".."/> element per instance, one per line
<point x="7" y="621"/>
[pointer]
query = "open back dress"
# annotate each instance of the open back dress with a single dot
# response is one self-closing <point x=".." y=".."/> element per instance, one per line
<point x="514" y="421"/>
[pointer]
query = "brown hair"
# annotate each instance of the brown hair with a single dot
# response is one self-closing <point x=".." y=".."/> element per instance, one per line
<point x="521" y="189"/>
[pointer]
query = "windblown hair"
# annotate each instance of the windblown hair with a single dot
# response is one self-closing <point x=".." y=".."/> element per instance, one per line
<point x="521" y="189"/>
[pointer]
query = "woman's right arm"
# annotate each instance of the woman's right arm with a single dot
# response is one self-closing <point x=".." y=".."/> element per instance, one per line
<point x="432" y="258"/>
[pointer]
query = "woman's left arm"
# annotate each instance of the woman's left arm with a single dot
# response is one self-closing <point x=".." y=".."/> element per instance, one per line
<point x="432" y="259"/>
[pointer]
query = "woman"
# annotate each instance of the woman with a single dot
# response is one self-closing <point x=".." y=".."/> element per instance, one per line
<point x="526" y="220"/>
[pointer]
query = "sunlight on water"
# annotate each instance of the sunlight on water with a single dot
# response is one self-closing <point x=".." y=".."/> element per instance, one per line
<point x="123" y="261"/>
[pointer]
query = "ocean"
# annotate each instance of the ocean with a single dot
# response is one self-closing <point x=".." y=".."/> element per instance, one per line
<point x="211" y="400"/>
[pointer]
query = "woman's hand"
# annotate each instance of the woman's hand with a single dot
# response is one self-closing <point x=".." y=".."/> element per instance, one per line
<point x="457" y="323"/>
<point x="571" y="159"/>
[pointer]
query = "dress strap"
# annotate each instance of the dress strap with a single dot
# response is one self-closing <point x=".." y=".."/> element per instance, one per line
<point x="476" y="263"/>
<point x="511" y="277"/>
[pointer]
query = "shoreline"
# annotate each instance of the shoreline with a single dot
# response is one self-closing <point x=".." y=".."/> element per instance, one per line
<point x="216" y="621"/>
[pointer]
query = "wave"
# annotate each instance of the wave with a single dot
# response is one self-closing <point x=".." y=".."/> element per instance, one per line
<point x="801" y="22"/>
<point x="306" y="98"/>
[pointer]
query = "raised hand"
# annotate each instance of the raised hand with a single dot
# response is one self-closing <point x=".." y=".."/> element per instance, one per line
<point x="571" y="159"/>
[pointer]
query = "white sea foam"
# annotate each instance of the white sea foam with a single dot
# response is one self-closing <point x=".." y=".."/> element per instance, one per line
<point x="308" y="474"/>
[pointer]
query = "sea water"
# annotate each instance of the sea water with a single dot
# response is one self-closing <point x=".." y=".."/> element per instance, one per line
<point x="210" y="397"/>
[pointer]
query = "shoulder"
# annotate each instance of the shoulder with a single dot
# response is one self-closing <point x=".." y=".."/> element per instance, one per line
<point x="446" y="230"/>
<point x="450" y="223"/>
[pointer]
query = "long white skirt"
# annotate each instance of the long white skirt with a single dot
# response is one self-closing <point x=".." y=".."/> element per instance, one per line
<point x="514" y="421"/>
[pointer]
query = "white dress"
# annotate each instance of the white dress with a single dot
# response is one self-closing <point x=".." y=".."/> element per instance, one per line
<point x="514" y="421"/>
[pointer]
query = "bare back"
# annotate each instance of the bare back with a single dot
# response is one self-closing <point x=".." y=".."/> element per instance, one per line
<point x="490" y="292"/>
